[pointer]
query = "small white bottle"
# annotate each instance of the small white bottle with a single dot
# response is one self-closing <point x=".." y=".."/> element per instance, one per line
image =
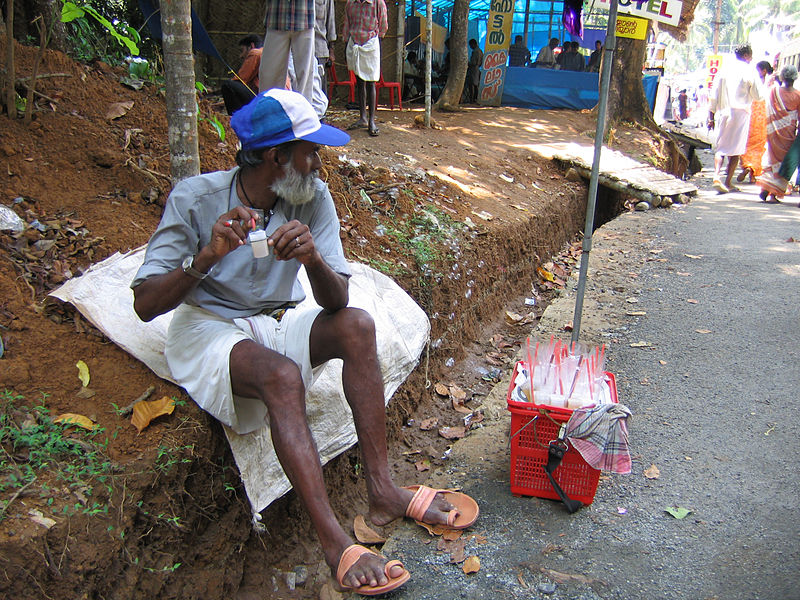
<point x="258" y="240"/>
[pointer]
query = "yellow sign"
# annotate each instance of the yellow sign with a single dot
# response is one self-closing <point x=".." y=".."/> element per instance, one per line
<point x="713" y="64"/>
<point x="439" y="34"/>
<point x="495" y="57"/>
<point x="631" y="27"/>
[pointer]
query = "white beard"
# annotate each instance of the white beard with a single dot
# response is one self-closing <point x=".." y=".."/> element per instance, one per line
<point x="295" y="188"/>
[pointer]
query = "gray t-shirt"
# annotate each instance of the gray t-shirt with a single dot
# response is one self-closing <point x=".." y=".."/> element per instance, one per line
<point x="238" y="285"/>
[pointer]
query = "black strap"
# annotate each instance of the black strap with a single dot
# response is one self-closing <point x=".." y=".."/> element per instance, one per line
<point x="555" y="453"/>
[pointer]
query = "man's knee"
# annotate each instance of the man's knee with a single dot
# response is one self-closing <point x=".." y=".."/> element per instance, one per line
<point x="280" y="381"/>
<point x="356" y="327"/>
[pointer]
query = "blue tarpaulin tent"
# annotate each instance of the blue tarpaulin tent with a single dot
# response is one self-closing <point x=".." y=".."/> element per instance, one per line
<point x="201" y="42"/>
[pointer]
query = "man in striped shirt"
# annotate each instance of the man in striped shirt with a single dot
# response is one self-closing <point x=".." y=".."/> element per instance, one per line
<point x="364" y="22"/>
<point x="290" y="27"/>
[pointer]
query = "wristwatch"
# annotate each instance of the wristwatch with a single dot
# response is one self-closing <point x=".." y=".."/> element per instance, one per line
<point x="190" y="270"/>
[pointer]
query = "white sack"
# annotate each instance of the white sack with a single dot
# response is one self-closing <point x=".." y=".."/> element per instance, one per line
<point x="104" y="297"/>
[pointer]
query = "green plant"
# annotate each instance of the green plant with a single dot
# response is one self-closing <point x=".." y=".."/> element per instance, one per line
<point x="35" y="449"/>
<point x="89" y="30"/>
<point x="168" y="456"/>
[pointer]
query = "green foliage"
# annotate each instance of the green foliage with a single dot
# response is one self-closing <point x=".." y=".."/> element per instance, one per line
<point x="167" y="457"/>
<point x="89" y="31"/>
<point x="35" y="448"/>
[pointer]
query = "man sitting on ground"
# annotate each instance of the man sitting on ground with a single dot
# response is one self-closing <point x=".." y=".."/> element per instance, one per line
<point x="240" y="90"/>
<point x="518" y="54"/>
<point x="240" y="347"/>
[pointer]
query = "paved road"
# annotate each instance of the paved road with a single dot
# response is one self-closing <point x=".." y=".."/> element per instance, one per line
<point x="715" y="399"/>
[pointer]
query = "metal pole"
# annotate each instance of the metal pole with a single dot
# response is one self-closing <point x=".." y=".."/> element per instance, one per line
<point x="605" y="79"/>
<point x="428" y="61"/>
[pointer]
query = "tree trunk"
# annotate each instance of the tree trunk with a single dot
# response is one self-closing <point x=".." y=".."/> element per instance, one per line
<point x="9" y="91"/>
<point x="626" y="99"/>
<point x="451" y="94"/>
<point x="51" y="13"/>
<point x="627" y="102"/>
<point x="176" y="24"/>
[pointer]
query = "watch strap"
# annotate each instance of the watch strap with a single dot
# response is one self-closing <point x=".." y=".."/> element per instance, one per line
<point x="188" y="268"/>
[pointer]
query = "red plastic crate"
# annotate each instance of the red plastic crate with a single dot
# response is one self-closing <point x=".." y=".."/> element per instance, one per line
<point x="532" y="428"/>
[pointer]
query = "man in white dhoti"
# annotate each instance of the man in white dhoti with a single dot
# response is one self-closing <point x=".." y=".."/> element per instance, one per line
<point x="364" y="23"/>
<point x="734" y="90"/>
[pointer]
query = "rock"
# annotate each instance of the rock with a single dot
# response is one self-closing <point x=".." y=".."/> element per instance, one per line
<point x="666" y="202"/>
<point x="547" y="587"/>
<point x="572" y="175"/>
<point x="7" y="150"/>
<point x="654" y="201"/>
<point x="681" y="199"/>
<point x="642" y="206"/>
<point x="291" y="579"/>
<point x="301" y="573"/>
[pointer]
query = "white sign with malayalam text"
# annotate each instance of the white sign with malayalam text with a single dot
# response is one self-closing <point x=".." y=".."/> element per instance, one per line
<point x="663" y="11"/>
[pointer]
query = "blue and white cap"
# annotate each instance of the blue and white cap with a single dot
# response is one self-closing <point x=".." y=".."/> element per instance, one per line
<point x="277" y="116"/>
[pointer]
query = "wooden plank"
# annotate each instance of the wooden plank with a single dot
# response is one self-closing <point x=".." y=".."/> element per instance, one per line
<point x="626" y="175"/>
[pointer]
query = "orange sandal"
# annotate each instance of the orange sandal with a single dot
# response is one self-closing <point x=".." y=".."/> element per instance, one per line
<point x="351" y="555"/>
<point x="462" y="516"/>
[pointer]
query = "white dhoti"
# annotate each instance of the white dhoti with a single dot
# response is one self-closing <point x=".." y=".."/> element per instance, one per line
<point x="364" y="60"/>
<point x="198" y="349"/>
<point x="732" y="130"/>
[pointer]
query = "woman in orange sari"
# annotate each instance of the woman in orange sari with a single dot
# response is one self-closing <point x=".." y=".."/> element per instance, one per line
<point x="783" y="105"/>
<point x="757" y="133"/>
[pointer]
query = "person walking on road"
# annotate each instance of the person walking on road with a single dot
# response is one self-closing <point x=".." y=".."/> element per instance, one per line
<point x="757" y="132"/>
<point x="783" y="108"/>
<point x="734" y="91"/>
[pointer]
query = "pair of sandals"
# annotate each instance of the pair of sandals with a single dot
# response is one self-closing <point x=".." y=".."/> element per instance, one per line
<point x="373" y="131"/>
<point x="462" y="516"/>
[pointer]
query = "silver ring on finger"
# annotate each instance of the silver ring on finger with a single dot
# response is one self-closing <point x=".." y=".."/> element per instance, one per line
<point x="297" y="241"/>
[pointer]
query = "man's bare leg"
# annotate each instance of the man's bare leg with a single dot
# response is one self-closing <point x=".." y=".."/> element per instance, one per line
<point x="733" y="162"/>
<point x="361" y="95"/>
<point x="349" y="334"/>
<point x="257" y="372"/>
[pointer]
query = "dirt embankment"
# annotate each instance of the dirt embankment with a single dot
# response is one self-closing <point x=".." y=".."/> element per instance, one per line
<point x="460" y="222"/>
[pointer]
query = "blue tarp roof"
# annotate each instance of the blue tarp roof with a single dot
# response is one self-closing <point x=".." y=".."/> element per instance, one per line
<point x="544" y="19"/>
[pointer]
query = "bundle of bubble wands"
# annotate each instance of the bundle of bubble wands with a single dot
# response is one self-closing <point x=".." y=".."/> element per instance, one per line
<point x="565" y="375"/>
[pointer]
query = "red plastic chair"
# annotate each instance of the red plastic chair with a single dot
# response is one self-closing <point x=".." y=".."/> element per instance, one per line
<point x="350" y="83"/>
<point x="391" y="86"/>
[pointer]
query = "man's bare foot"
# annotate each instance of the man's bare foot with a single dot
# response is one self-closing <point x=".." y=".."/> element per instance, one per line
<point x="390" y="506"/>
<point x="360" y="124"/>
<point x="369" y="569"/>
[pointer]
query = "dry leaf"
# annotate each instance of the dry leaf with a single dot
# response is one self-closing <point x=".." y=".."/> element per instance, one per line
<point x="83" y="372"/>
<point x="452" y="433"/>
<point x="441" y="389"/>
<point x="691" y="301"/>
<point x="38" y="517"/>
<point x="471" y="565"/>
<point x="423" y="465"/>
<point x="703" y="330"/>
<point x="147" y="410"/>
<point x="73" y="419"/>
<point x="434" y="530"/>
<point x="636" y="313"/>
<point x="662" y="362"/>
<point x="457" y="393"/>
<point x="478" y="539"/>
<point x="693" y="255"/>
<point x="85" y="393"/>
<point x="545" y="274"/>
<point x="632" y="300"/>
<point x="364" y="533"/>
<point x="457" y="549"/>
<point x="459" y="407"/>
<point x="452" y="534"/>
<point x="513" y="317"/>
<point x="640" y="345"/>
<point x="428" y="424"/>
<point x="652" y="472"/>
<point x="118" y="109"/>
